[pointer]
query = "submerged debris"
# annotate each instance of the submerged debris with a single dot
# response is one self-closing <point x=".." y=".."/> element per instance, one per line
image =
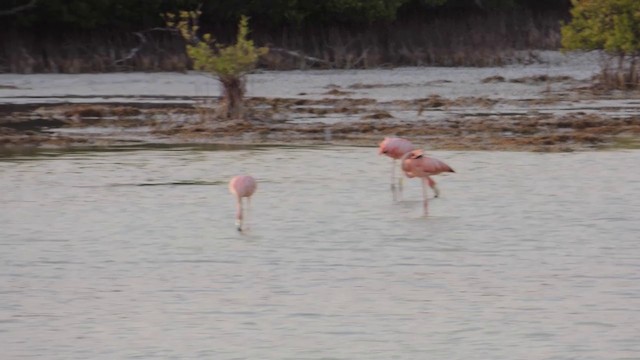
<point x="440" y="122"/>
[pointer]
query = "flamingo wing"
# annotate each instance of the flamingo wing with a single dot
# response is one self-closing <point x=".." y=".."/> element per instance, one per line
<point x="433" y="166"/>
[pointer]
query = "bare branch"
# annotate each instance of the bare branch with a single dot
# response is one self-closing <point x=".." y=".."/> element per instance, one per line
<point x="143" y="40"/>
<point x="301" y="56"/>
<point x="17" y="9"/>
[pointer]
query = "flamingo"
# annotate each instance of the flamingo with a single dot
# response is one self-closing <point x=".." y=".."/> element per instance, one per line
<point x="242" y="186"/>
<point x="395" y="148"/>
<point x="416" y="164"/>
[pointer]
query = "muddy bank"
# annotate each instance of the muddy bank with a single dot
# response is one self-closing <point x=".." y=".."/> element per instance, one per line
<point x="466" y="123"/>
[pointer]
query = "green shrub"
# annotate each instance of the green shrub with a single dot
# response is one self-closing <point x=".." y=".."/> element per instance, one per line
<point x="229" y="64"/>
<point x="612" y="26"/>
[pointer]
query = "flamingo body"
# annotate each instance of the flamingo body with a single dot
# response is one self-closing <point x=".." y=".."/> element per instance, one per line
<point x="242" y="186"/>
<point x="416" y="164"/>
<point x="395" y="147"/>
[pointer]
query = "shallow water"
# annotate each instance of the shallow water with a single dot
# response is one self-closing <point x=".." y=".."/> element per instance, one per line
<point x="379" y="84"/>
<point x="133" y="254"/>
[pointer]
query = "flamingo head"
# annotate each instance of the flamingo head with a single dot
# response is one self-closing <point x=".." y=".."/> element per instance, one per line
<point x="383" y="147"/>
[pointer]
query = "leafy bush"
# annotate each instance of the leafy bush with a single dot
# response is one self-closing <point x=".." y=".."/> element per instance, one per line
<point x="612" y="26"/>
<point x="230" y="64"/>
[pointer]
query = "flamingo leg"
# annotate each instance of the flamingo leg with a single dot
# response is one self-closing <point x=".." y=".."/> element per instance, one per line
<point x="248" y="213"/>
<point x="425" y="202"/>
<point x="395" y="191"/>
<point x="400" y="187"/>
<point x="432" y="184"/>
<point x="397" y="195"/>
<point x="239" y="214"/>
<point x="393" y="173"/>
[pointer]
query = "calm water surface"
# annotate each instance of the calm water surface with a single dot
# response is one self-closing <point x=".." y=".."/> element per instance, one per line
<point x="133" y="254"/>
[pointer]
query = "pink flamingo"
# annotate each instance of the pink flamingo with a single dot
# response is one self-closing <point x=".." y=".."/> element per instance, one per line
<point x="416" y="164"/>
<point x="395" y="148"/>
<point x="242" y="186"/>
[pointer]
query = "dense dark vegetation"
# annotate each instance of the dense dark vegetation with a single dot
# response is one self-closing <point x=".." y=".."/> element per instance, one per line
<point x="120" y="35"/>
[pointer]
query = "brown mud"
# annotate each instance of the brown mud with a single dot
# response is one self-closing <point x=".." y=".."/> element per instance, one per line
<point x="467" y="123"/>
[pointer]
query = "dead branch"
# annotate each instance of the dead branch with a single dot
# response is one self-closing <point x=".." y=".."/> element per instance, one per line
<point x="142" y="41"/>
<point x="302" y="56"/>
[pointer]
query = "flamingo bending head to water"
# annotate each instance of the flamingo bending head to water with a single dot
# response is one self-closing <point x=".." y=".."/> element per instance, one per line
<point x="416" y="164"/>
<point x="395" y="148"/>
<point x="242" y="186"/>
